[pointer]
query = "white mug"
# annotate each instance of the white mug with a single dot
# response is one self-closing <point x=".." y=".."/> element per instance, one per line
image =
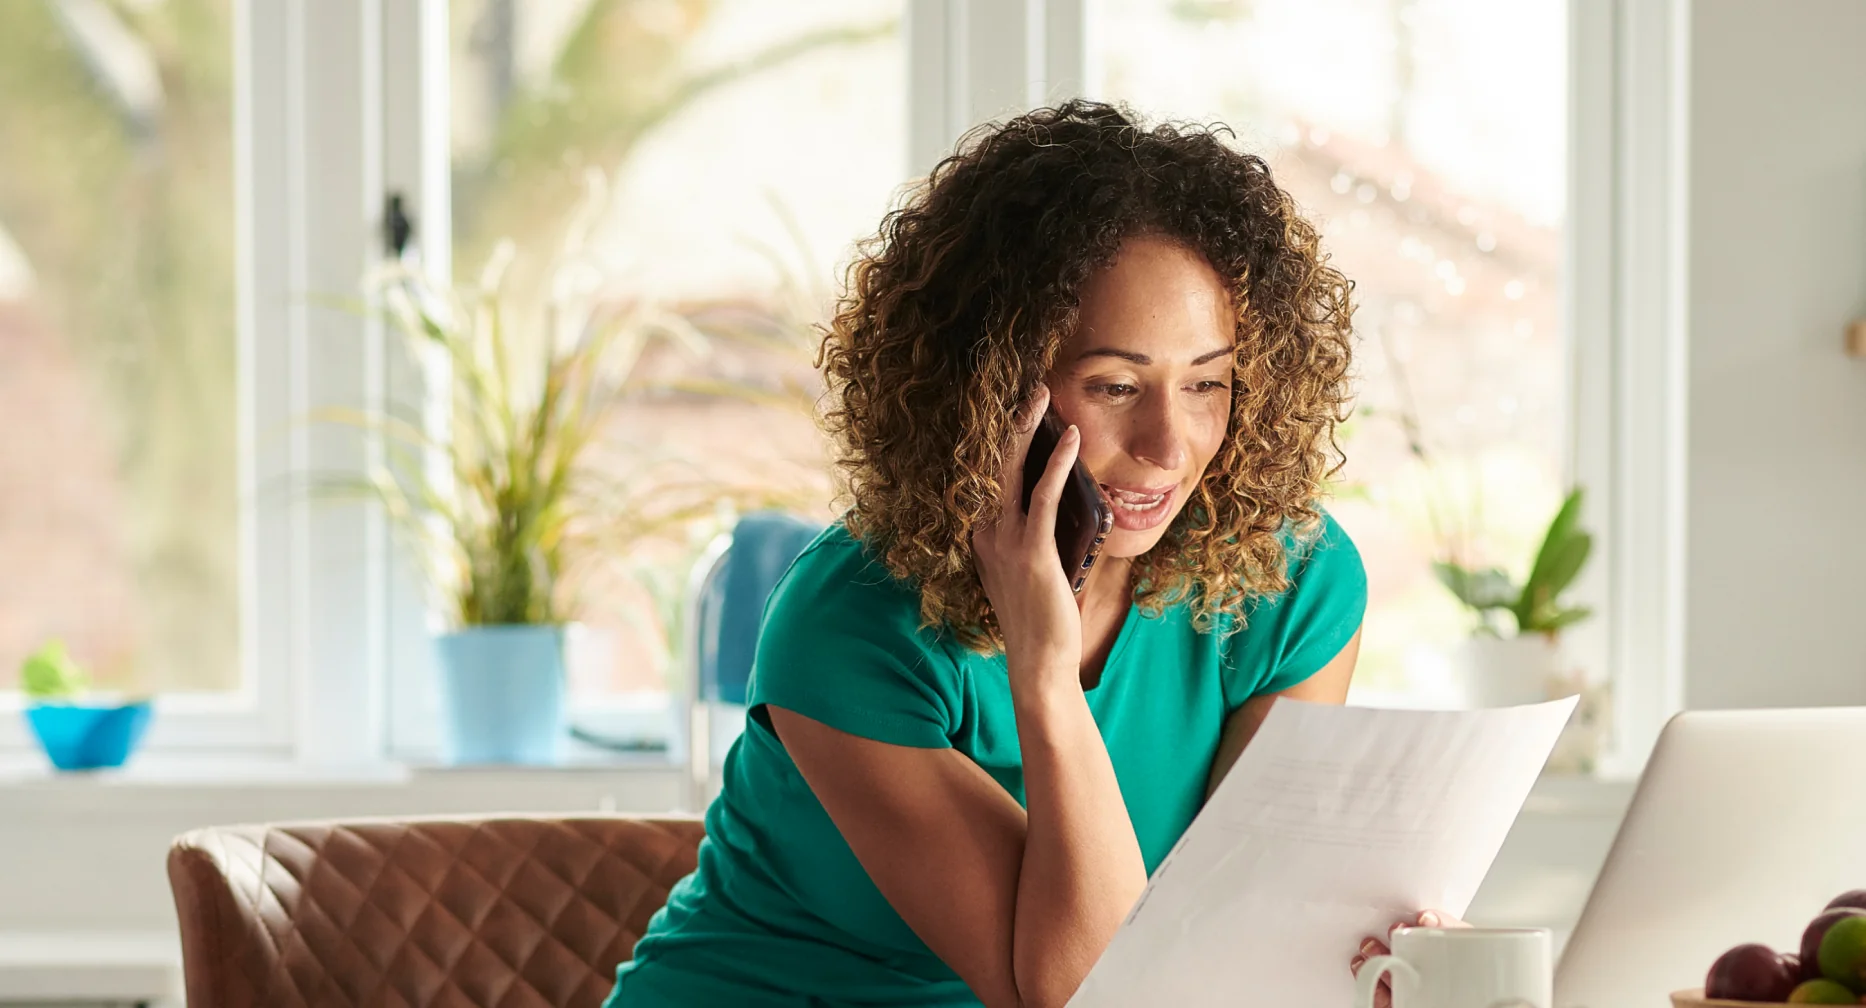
<point x="1463" y="968"/>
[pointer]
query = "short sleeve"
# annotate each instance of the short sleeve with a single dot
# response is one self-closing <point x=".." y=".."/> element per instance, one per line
<point x="1289" y="637"/>
<point x="840" y="644"/>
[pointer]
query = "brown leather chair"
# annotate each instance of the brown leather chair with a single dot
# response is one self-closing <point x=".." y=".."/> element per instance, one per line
<point x="506" y="912"/>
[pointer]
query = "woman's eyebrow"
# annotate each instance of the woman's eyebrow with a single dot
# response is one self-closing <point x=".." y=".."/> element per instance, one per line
<point x="1143" y="360"/>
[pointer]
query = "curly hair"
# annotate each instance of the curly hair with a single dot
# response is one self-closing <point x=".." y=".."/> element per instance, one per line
<point x="955" y="309"/>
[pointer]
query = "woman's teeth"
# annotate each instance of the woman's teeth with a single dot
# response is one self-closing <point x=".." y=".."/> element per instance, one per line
<point x="1136" y="503"/>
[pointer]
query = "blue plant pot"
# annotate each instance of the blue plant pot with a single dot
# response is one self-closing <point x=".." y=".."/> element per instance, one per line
<point x="88" y="736"/>
<point x="502" y="694"/>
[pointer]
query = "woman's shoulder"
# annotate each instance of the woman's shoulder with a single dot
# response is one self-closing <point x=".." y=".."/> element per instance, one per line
<point x="1319" y="558"/>
<point x="841" y="643"/>
<point x="838" y="560"/>
<point x="840" y="579"/>
<point x="1284" y="638"/>
<point x="1322" y="565"/>
<point x="1326" y="552"/>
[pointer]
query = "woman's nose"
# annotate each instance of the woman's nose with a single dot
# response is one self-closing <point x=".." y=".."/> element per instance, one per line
<point x="1160" y="439"/>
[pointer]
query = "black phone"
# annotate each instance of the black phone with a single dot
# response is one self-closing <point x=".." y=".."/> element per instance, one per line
<point x="1083" y="517"/>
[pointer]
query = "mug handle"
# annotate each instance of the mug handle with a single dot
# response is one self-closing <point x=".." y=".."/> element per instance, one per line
<point x="1371" y="971"/>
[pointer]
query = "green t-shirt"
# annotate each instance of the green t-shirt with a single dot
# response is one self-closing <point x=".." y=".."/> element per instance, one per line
<point x="781" y="913"/>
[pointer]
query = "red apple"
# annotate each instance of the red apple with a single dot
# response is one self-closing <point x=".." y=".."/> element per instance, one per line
<point x="1792" y="960"/>
<point x="1751" y="973"/>
<point x="1817" y="929"/>
<point x="1851" y="898"/>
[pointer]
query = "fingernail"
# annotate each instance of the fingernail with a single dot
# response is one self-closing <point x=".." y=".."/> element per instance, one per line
<point x="1354" y="964"/>
<point x="1429" y="919"/>
<point x="1367" y="947"/>
<point x="1073" y="432"/>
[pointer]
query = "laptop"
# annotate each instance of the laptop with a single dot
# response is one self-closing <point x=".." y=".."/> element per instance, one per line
<point x="1743" y="826"/>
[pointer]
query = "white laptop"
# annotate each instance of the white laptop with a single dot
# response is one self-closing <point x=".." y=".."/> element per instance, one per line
<point x="1743" y="826"/>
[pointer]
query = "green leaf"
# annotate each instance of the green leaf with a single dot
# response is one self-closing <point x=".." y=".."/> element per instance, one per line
<point x="1488" y="588"/>
<point x="1563" y="565"/>
<point x="1556" y="620"/>
<point x="1456" y="579"/>
<point x="1558" y="562"/>
<point x="50" y="674"/>
<point x="1561" y="530"/>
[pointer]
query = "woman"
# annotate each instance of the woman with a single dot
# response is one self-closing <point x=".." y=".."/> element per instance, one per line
<point x="956" y="775"/>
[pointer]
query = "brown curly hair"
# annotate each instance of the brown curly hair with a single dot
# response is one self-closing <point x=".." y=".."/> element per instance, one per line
<point x="955" y="309"/>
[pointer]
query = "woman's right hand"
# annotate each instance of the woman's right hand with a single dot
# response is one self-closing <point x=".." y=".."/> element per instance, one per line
<point x="1019" y="567"/>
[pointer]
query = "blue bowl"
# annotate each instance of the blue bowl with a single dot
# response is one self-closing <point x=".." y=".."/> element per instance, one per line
<point x="81" y="737"/>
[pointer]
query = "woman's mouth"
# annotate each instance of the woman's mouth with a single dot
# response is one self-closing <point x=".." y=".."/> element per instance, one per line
<point x="1139" y="509"/>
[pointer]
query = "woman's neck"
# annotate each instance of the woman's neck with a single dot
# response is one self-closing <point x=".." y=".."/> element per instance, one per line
<point x="1109" y="585"/>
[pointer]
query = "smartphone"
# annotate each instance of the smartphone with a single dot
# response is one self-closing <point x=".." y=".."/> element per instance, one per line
<point x="1083" y="517"/>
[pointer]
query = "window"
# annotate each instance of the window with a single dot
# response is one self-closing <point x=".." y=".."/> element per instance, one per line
<point x="747" y="145"/>
<point x="119" y="470"/>
<point x="1426" y="138"/>
<point x="163" y="380"/>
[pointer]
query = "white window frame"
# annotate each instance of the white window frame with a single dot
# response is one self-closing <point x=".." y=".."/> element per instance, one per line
<point x="417" y="98"/>
<point x="1627" y="327"/>
<point x="343" y="101"/>
<point x="972" y="61"/>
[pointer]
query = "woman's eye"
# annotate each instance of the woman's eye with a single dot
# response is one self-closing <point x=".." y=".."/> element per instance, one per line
<point x="1211" y="387"/>
<point x="1115" y="390"/>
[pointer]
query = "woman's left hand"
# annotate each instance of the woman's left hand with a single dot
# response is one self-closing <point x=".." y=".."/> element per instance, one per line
<point x="1371" y="946"/>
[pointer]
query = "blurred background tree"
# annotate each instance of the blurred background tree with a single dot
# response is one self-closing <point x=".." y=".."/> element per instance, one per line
<point x="116" y="185"/>
<point x="602" y="75"/>
<point x="116" y="201"/>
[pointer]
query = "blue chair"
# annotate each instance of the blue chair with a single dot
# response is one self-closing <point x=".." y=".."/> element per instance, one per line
<point x="725" y="604"/>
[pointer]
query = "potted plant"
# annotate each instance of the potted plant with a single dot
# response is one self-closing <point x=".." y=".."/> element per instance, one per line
<point x="511" y="502"/>
<point x="77" y="730"/>
<point x="1513" y="653"/>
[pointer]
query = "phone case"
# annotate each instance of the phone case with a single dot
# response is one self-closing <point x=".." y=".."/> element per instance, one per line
<point x="1083" y="517"/>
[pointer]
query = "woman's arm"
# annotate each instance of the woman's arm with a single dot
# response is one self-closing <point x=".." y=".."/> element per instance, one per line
<point x="1019" y="905"/>
<point x="1020" y="902"/>
<point x="1328" y="685"/>
<point x="1082" y="868"/>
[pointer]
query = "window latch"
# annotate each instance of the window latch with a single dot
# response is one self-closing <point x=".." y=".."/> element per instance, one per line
<point x="397" y="228"/>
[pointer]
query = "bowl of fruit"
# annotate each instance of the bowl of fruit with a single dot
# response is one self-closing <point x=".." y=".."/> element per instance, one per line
<point x="1828" y="968"/>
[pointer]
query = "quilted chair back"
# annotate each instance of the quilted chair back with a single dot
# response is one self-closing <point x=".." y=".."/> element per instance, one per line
<point x="486" y="913"/>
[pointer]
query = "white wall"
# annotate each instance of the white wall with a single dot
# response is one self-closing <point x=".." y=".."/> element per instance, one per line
<point x="81" y="854"/>
<point x="1776" y="558"/>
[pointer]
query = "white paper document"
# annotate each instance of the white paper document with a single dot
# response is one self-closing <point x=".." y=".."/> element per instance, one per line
<point x="1334" y="823"/>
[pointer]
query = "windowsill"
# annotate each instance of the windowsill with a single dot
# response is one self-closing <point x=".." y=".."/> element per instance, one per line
<point x="1554" y="795"/>
<point x="175" y="770"/>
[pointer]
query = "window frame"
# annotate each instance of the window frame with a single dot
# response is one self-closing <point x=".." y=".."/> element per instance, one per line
<point x="1628" y="333"/>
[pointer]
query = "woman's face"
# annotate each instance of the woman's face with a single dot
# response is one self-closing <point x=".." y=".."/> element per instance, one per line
<point x="1147" y="379"/>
